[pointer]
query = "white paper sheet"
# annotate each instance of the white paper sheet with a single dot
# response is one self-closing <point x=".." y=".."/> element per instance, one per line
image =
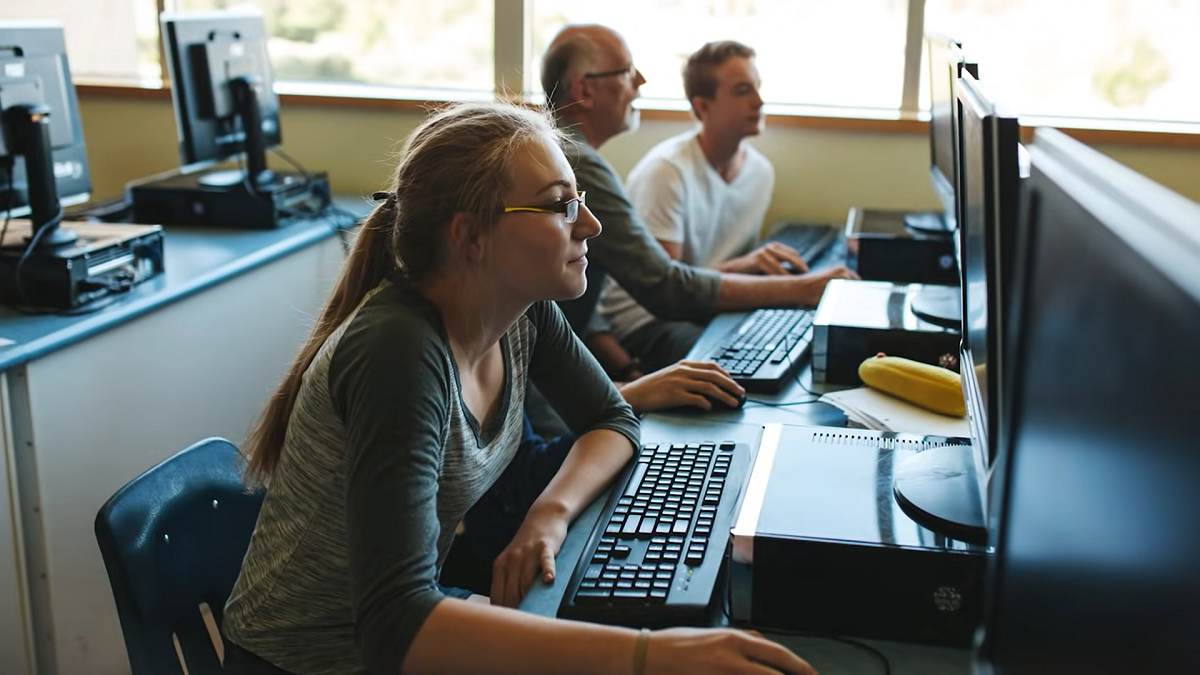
<point x="877" y="410"/>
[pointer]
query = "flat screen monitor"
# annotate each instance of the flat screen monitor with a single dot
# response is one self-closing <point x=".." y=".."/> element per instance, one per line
<point x="947" y="489"/>
<point x="1098" y="508"/>
<point x="221" y="87"/>
<point x="43" y="162"/>
<point x="944" y="58"/>
<point x="989" y="176"/>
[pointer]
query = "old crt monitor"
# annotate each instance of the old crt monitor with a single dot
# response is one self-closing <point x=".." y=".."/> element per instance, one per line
<point x="43" y="164"/>
<point x="1097" y="505"/>
<point x="946" y="63"/>
<point x="945" y="489"/>
<point x="225" y="108"/>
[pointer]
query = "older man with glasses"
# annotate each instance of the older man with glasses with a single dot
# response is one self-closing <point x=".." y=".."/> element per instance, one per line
<point x="590" y="81"/>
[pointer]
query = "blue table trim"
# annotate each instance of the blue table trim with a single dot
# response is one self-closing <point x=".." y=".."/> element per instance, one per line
<point x="195" y="259"/>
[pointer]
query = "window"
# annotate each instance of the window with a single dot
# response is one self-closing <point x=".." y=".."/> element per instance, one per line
<point x="1122" y="63"/>
<point x="848" y="53"/>
<point x="107" y="40"/>
<point x="444" y="45"/>
<point x="1122" y="59"/>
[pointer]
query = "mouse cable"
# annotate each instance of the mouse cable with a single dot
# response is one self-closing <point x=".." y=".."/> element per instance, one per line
<point x="784" y="404"/>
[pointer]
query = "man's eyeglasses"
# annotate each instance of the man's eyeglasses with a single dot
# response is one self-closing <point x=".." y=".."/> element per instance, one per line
<point x="627" y="70"/>
<point x="569" y="208"/>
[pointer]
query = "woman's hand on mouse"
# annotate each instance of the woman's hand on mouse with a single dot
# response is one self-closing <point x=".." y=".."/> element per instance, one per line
<point x="699" y="650"/>
<point x="688" y="383"/>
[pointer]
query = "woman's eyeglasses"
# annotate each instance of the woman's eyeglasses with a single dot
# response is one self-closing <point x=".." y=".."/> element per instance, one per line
<point x="569" y="208"/>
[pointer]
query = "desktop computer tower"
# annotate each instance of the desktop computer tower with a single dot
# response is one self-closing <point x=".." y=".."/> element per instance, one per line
<point x="192" y="199"/>
<point x="106" y="259"/>
<point x="859" y="319"/>
<point x="820" y="544"/>
<point x="900" y="246"/>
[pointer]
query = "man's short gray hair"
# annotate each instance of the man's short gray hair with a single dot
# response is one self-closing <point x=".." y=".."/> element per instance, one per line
<point x="569" y="52"/>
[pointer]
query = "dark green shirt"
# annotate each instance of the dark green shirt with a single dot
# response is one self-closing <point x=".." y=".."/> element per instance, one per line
<point x="381" y="461"/>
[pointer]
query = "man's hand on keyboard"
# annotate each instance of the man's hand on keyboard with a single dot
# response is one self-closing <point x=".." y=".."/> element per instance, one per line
<point x="724" y="650"/>
<point x="529" y="556"/>
<point x="767" y="259"/>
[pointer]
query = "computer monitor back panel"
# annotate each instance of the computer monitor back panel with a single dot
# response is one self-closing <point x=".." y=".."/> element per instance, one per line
<point x="34" y="70"/>
<point x="1098" y="510"/>
<point x="205" y="51"/>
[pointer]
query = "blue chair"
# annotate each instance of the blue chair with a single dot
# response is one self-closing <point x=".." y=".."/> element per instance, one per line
<point x="173" y="539"/>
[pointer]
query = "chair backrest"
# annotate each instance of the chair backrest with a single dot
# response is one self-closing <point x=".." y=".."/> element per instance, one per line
<point x="172" y="539"/>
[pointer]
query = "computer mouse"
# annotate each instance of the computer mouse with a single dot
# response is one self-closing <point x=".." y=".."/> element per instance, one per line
<point x="788" y="267"/>
<point x="718" y="404"/>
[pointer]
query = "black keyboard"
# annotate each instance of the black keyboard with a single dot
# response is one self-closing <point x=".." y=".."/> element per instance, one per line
<point x="765" y="349"/>
<point x="656" y="553"/>
<point x="809" y="240"/>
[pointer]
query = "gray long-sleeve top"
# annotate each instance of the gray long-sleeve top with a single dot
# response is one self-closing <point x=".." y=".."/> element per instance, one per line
<point x="381" y="461"/>
<point x="625" y="249"/>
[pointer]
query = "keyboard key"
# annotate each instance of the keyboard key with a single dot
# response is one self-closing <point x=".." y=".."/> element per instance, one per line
<point x="621" y="552"/>
<point x="694" y="559"/>
<point x="591" y="596"/>
<point x="635" y="480"/>
<point x="629" y="594"/>
<point x="630" y="528"/>
<point x="647" y="528"/>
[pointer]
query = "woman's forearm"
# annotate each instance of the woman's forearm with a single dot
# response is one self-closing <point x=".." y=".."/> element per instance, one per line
<point x="508" y="641"/>
<point x="590" y="466"/>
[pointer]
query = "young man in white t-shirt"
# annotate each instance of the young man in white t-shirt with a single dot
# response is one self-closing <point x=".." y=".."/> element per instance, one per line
<point x="703" y="195"/>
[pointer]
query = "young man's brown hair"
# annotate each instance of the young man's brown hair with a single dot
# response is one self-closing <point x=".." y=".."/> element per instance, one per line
<point x="698" y="79"/>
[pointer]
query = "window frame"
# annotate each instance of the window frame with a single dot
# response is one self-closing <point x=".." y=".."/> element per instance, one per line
<point x="511" y="45"/>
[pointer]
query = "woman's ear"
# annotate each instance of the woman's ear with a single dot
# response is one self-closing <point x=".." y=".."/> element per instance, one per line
<point x="466" y="238"/>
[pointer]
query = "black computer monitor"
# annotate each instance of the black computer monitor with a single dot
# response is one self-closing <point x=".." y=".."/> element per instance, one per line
<point x="989" y="176"/>
<point x="43" y="163"/>
<point x="945" y="60"/>
<point x="946" y="489"/>
<point x="223" y="91"/>
<point x="1097" y="506"/>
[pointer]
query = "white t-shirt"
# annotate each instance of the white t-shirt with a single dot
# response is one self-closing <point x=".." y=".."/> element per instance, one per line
<point x="681" y="198"/>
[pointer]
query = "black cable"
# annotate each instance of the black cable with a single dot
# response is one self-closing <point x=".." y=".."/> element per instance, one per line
<point x="784" y="404"/>
<point x="328" y="210"/>
<point x="34" y="238"/>
<point x="9" y="166"/>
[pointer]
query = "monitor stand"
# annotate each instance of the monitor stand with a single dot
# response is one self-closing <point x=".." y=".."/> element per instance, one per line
<point x="939" y="488"/>
<point x="941" y="305"/>
<point x="926" y="222"/>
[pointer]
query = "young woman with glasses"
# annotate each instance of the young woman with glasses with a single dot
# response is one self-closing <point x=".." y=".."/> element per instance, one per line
<point x="404" y="409"/>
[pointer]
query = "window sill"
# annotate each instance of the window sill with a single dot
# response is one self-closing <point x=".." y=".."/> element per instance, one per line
<point x="853" y="120"/>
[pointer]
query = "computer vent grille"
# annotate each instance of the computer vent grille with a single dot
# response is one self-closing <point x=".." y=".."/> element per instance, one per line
<point x="887" y="442"/>
<point x="95" y="259"/>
